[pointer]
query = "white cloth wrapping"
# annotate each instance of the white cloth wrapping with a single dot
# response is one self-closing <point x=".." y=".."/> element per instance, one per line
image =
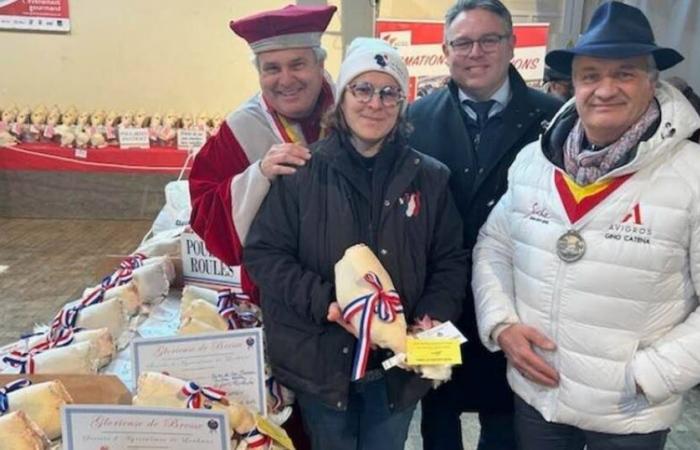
<point x="190" y="325"/>
<point x="350" y="285"/>
<point x="19" y="432"/>
<point x="80" y="358"/>
<point x="42" y="403"/>
<point x="204" y="312"/>
<point x="157" y="389"/>
<point x="190" y="293"/>
<point x="152" y="280"/>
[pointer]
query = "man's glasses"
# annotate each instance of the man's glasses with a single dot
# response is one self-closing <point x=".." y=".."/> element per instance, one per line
<point x="364" y="92"/>
<point x="488" y="43"/>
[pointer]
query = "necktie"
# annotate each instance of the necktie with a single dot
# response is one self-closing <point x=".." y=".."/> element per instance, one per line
<point x="482" y="110"/>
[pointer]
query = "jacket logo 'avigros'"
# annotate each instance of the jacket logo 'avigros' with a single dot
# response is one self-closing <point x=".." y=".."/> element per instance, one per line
<point x="411" y="202"/>
<point x="631" y="228"/>
<point x="635" y="216"/>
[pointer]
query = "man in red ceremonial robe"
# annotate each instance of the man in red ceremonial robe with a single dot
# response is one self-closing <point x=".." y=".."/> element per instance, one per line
<point x="268" y="135"/>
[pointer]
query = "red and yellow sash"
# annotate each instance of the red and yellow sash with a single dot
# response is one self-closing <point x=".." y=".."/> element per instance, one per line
<point x="579" y="200"/>
<point x="288" y="130"/>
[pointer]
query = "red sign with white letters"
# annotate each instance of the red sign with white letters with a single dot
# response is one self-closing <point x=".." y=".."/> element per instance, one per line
<point x="420" y="45"/>
<point x="41" y="15"/>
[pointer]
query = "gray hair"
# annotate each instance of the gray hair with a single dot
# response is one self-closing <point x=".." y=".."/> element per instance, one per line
<point x="493" y="6"/>
<point x="652" y="70"/>
<point x="319" y="52"/>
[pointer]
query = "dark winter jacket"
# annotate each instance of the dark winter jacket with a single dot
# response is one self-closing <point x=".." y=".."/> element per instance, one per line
<point x="305" y="225"/>
<point x="480" y="383"/>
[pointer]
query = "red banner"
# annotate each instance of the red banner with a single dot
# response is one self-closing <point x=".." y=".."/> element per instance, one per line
<point x="41" y="15"/>
<point x="420" y="45"/>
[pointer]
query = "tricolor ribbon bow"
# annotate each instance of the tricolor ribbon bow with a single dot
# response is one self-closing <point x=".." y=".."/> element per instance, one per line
<point x="256" y="439"/>
<point x="386" y="304"/>
<point x="11" y="387"/>
<point x="195" y="393"/>
<point x="230" y="306"/>
<point x="25" y="360"/>
<point x="67" y="317"/>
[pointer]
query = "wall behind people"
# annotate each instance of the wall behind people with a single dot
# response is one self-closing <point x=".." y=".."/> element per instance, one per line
<point x="523" y="11"/>
<point x="132" y="54"/>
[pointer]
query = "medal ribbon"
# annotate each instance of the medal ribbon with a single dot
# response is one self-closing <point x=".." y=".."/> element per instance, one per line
<point x="8" y="388"/>
<point x="195" y="393"/>
<point x="67" y="317"/>
<point x="229" y="304"/>
<point x="385" y="304"/>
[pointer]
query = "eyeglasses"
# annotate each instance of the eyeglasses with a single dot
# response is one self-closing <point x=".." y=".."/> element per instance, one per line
<point x="388" y="95"/>
<point x="488" y="43"/>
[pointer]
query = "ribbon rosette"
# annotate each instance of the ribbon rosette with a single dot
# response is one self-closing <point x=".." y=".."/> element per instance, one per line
<point x="232" y="307"/>
<point x="195" y="395"/>
<point x="11" y="387"/>
<point x="385" y="304"/>
<point x="67" y="317"/>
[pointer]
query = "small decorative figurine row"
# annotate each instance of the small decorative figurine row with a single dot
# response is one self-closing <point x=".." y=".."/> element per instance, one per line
<point x="99" y="128"/>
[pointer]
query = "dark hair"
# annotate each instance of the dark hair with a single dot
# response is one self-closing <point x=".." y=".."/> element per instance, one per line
<point x="494" y="6"/>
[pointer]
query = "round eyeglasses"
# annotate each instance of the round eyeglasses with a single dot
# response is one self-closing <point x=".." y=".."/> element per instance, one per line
<point x="388" y="95"/>
<point x="488" y="43"/>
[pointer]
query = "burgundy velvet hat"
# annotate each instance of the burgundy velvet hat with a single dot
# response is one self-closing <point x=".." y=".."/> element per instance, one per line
<point x="290" y="27"/>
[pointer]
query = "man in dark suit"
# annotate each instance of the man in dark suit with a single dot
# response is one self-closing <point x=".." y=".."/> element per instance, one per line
<point x="476" y="125"/>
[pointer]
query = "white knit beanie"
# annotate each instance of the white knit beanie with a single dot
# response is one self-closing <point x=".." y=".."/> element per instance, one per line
<point x="367" y="55"/>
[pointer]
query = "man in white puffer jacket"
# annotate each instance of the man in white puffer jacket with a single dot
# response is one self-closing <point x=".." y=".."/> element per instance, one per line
<point x="587" y="272"/>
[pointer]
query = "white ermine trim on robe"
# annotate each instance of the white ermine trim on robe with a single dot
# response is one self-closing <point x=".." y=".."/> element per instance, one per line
<point x="248" y="190"/>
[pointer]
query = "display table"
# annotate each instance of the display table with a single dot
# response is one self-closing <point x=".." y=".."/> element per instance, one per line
<point x="52" y="157"/>
<point x="49" y="181"/>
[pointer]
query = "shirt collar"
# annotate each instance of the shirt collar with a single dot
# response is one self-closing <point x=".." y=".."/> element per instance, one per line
<point x="501" y="97"/>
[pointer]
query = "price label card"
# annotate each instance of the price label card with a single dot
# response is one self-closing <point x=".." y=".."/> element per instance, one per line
<point x="191" y="139"/>
<point x="445" y="330"/>
<point x="134" y="138"/>
<point x="231" y="361"/>
<point x="202" y="268"/>
<point x="129" y="427"/>
<point x="432" y="351"/>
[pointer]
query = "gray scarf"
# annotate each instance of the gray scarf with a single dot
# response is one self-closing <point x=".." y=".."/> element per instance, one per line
<point x="586" y="166"/>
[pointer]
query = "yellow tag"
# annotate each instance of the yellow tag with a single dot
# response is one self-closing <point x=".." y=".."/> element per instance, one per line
<point x="273" y="431"/>
<point x="425" y="352"/>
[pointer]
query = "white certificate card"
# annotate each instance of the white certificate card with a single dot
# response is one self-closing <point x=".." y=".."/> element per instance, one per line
<point x="88" y="427"/>
<point x="231" y="361"/>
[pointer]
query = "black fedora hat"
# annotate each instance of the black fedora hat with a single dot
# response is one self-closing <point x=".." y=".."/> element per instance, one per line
<point x="616" y="31"/>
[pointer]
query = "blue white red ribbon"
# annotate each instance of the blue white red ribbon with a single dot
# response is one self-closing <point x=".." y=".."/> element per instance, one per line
<point x="230" y="306"/>
<point x="385" y="304"/>
<point x="275" y="391"/>
<point x="67" y="317"/>
<point x="25" y="360"/>
<point x="11" y="387"/>
<point x="256" y="439"/>
<point x="195" y="394"/>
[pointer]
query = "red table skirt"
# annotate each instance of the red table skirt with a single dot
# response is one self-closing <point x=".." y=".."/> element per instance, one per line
<point x="51" y="157"/>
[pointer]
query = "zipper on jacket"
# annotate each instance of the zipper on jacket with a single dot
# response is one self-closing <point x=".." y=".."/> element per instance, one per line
<point x="554" y="336"/>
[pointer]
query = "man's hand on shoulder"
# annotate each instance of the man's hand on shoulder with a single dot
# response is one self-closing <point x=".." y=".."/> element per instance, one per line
<point x="517" y="342"/>
<point x="282" y="159"/>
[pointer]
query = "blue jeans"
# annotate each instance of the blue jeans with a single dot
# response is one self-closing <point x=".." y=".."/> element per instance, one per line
<point x="533" y="432"/>
<point x="367" y="424"/>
